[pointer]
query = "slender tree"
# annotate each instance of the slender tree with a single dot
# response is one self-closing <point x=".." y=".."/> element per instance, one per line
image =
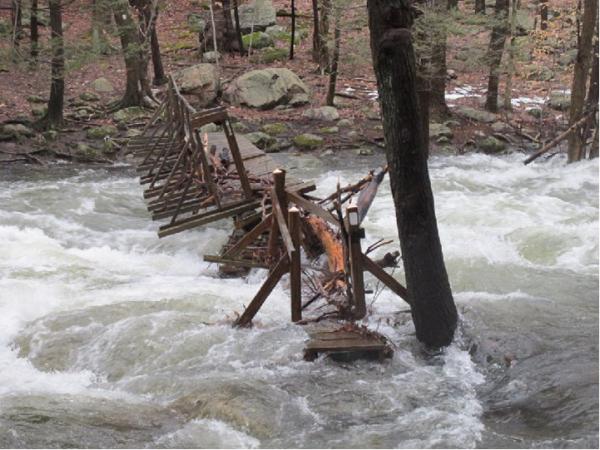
<point x="148" y="13"/>
<point x="543" y="14"/>
<point x="333" y="73"/>
<point x="433" y="309"/>
<point x="54" y="116"/>
<point x="439" y="37"/>
<point x="317" y="43"/>
<point x="137" y="90"/>
<point x="480" y="6"/>
<point x="34" y="32"/>
<point x="511" y="53"/>
<point x="494" y="55"/>
<point x="580" y="76"/>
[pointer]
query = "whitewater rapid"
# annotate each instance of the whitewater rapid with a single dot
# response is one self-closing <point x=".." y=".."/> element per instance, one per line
<point x="110" y="337"/>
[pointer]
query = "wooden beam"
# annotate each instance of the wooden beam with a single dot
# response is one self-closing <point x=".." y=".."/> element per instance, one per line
<point x="295" y="265"/>
<point x="264" y="291"/>
<point x="281" y="224"/>
<point x="234" y="262"/>
<point x="359" y="309"/>
<point x="249" y="237"/>
<point x="312" y="208"/>
<point x="385" y="278"/>
<point x="237" y="158"/>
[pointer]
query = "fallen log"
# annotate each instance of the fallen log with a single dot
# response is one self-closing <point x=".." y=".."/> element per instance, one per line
<point x="367" y="194"/>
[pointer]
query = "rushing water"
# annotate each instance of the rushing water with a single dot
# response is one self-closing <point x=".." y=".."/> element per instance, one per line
<point x="110" y="337"/>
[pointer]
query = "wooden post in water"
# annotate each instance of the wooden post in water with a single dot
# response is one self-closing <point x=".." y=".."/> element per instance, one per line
<point x="355" y="234"/>
<point x="279" y="188"/>
<point x="295" y="268"/>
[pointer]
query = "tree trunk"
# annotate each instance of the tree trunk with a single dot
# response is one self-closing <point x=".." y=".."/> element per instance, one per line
<point x="150" y="19"/>
<point x="437" y="96"/>
<point x="433" y="310"/>
<point x="333" y="73"/>
<point x="293" y="35"/>
<point x="230" y="38"/>
<point x="543" y="14"/>
<point x="238" y="30"/>
<point x="316" y="45"/>
<point x="511" y="57"/>
<point x="135" y="55"/>
<point x="34" y="32"/>
<point x="495" y="50"/>
<point x="101" y="19"/>
<point x="54" y="116"/>
<point x="591" y="100"/>
<point x="580" y="75"/>
<point x="480" y="6"/>
<point x="323" y="33"/>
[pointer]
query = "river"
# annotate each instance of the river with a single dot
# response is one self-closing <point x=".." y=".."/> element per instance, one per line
<point x="110" y="337"/>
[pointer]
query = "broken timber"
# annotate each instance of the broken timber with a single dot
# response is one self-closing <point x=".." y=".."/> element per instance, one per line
<point x="192" y="179"/>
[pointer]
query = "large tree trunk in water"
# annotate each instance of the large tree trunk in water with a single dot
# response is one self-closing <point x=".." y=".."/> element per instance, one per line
<point x="135" y="54"/>
<point x="580" y="75"/>
<point x="437" y="97"/>
<point x="54" y="116"/>
<point x="433" y="310"/>
<point x="495" y="50"/>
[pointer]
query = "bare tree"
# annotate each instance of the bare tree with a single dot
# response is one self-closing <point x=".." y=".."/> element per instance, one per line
<point x="580" y="76"/>
<point x="433" y="309"/>
<point x="480" y="6"/>
<point x="494" y="55"/>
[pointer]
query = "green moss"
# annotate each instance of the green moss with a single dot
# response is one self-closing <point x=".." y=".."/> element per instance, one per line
<point x="269" y="55"/>
<point x="259" y="40"/>
<point x="308" y="141"/>
<point x="275" y="129"/>
<point x="101" y="132"/>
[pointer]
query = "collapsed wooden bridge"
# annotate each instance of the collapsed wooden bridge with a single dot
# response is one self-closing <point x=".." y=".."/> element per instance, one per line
<point x="193" y="179"/>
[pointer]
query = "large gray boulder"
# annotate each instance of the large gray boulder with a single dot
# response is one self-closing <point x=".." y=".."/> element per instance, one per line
<point x="267" y="88"/>
<point x="327" y="113"/>
<point x="200" y="81"/>
<point x="476" y="114"/>
<point x="256" y="15"/>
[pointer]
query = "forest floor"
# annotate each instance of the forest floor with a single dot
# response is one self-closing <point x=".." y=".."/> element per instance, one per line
<point x="544" y="63"/>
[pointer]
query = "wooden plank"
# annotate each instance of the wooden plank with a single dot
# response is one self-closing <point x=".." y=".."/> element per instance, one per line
<point x="281" y="224"/>
<point x="385" y="278"/>
<point x="237" y="157"/>
<point x="235" y="262"/>
<point x="359" y="309"/>
<point x="213" y="216"/>
<point x="264" y="291"/>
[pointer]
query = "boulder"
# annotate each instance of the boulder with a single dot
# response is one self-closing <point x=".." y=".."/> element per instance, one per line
<point x="101" y="132"/>
<point x="261" y="140"/>
<point x="16" y="130"/>
<point x="438" y="130"/>
<point x="258" y="40"/>
<point x="559" y="101"/>
<point x="345" y="123"/>
<point x="329" y="130"/>
<point x="499" y="126"/>
<point x="365" y="151"/>
<point x="240" y="127"/>
<point x="308" y="141"/>
<point x="328" y="113"/>
<point x="131" y="114"/>
<point x="567" y="58"/>
<point x="36" y="99"/>
<point x="535" y="111"/>
<point x="269" y="55"/>
<point x="102" y="85"/>
<point x="201" y="81"/>
<point x="89" y="97"/>
<point x="476" y="114"/>
<point x="491" y="144"/>
<point x="267" y="88"/>
<point x="256" y="15"/>
<point x="274" y="129"/>
<point x="85" y="152"/>
<point x="210" y="57"/>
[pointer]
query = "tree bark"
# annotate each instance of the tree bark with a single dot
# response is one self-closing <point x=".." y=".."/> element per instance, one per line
<point x="150" y="17"/>
<point x="34" y="31"/>
<point x="495" y="50"/>
<point x="580" y="75"/>
<point x="136" y="59"/>
<point x="437" y="97"/>
<point x="591" y="100"/>
<point x="323" y="33"/>
<point x="480" y="6"/>
<point x="333" y="73"/>
<point x="238" y="30"/>
<point x="54" y="116"/>
<point x="16" y="18"/>
<point x="316" y="45"/>
<point x="433" y="310"/>
<point x="511" y="57"/>
<point x="543" y="14"/>
<point x="293" y="35"/>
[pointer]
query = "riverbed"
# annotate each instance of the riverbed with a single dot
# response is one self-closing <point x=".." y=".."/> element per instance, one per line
<point x="110" y="337"/>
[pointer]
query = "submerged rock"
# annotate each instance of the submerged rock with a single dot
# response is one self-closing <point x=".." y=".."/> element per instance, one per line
<point x="267" y="88"/>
